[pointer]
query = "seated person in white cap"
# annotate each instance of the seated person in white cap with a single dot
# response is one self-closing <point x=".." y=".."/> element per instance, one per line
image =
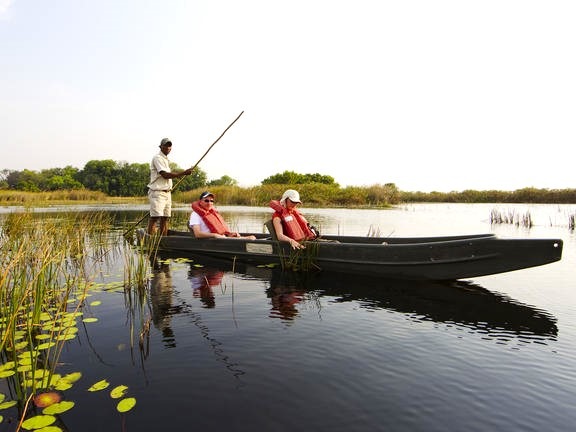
<point x="289" y="224"/>
<point x="206" y="222"/>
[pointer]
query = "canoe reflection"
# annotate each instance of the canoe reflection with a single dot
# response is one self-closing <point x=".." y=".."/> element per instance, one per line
<point x="459" y="303"/>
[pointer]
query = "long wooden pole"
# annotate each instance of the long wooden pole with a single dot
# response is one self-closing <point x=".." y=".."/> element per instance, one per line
<point x="191" y="169"/>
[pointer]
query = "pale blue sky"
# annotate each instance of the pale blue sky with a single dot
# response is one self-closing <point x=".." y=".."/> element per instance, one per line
<point x="430" y="95"/>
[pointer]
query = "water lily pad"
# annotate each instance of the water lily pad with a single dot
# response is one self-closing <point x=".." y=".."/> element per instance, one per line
<point x="96" y="303"/>
<point x="45" y="345"/>
<point x="72" y="377"/>
<point x="63" y="385"/>
<point x="8" y="365"/>
<point x="126" y="404"/>
<point x="7" y="404"/>
<point x="45" y="316"/>
<point x="65" y="337"/>
<point x="50" y="429"/>
<point x="48" y="381"/>
<point x="40" y="373"/>
<point x="38" y="422"/>
<point x="100" y="385"/>
<point x="58" y="408"/>
<point x="25" y="358"/>
<point x="183" y="260"/>
<point x="7" y="373"/>
<point x="90" y="320"/>
<point x="20" y="345"/>
<point x="118" y="392"/>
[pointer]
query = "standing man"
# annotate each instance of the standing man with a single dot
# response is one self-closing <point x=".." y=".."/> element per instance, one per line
<point x="160" y="187"/>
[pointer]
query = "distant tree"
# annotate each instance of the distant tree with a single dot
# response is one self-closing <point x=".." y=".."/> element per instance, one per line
<point x="223" y="181"/>
<point x="318" y="178"/>
<point x="25" y="180"/>
<point x="100" y="175"/>
<point x="290" y="177"/>
<point x="59" y="179"/>
<point x="132" y="178"/>
<point x="4" y="178"/>
<point x="195" y="180"/>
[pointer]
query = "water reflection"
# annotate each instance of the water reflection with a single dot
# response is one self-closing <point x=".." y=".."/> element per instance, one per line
<point x="458" y="303"/>
<point x="161" y="301"/>
<point x="203" y="280"/>
<point x="168" y="300"/>
<point x="285" y="299"/>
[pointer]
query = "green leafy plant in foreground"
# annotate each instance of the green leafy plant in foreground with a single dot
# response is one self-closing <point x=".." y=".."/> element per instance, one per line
<point x="44" y="284"/>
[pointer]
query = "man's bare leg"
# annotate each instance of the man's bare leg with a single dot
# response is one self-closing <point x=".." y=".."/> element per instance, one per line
<point x="152" y="225"/>
<point x="164" y="225"/>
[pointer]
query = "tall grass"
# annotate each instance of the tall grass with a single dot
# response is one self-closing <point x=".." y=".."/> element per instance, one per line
<point x="511" y="217"/>
<point x="312" y="194"/>
<point x="23" y="198"/>
<point x="45" y="273"/>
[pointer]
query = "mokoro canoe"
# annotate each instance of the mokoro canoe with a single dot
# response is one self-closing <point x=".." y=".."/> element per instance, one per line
<point x="416" y="258"/>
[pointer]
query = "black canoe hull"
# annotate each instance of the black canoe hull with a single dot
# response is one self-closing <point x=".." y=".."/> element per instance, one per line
<point x="416" y="258"/>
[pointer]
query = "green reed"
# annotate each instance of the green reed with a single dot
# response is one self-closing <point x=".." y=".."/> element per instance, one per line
<point x="300" y="260"/>
<point x="46" y="265"/>
<point x="139" y="256"/>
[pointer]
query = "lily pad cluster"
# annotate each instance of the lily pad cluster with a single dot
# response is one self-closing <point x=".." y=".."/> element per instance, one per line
<point x="35" y="345"/>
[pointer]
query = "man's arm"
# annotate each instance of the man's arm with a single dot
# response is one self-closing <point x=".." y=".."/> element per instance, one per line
<point x="171" y="175"/>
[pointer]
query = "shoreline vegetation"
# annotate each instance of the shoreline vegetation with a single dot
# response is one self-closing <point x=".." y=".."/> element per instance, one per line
<point x="314" y="195"/>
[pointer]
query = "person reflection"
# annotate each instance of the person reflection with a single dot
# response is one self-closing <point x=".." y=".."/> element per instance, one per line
<point x="203" y="280"/>
<point x="161" y="293"/>
<point x="284" y="300"/>
<point x="285" y="294"/>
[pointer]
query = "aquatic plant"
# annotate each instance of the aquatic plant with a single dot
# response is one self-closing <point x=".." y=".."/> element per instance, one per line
<point x="511" y="217"/>
<point x="300" y="260"/>
<point x="46" y="267"/>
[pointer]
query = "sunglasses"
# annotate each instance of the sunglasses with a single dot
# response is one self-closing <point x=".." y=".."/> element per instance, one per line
<point x="208" y="200"/>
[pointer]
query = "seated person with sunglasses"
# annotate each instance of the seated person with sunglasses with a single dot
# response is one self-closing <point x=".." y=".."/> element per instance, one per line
<point x="206" y="222"/>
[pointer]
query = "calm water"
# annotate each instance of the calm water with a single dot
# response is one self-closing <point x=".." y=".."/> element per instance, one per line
<point x="254" y="349"/>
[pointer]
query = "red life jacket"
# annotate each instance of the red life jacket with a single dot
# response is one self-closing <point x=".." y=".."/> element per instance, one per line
<point x="294" y="224"/>
<point x="212" y="219"/>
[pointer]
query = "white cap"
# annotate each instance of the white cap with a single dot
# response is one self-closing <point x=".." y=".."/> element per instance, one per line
<point x="292" y="195"/>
